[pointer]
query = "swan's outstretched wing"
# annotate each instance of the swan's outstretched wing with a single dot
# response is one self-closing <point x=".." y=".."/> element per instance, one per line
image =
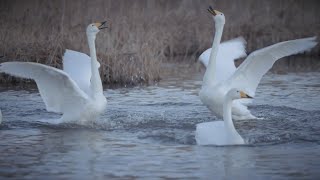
<point x="78" y="66"/>
<point x="58" y="91"/>
<point x="250" y="72"/>
<point x="228" y="52"/>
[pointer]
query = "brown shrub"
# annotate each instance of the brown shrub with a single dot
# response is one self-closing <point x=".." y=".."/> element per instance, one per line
<point x="143" y="33"/>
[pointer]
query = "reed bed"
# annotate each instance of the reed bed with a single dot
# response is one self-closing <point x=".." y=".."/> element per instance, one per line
<point x="145" y="33"/>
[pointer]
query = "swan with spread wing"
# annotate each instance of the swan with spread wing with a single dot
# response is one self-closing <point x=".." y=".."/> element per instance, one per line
<point x="76" y="91"/>
<point x="221" y="76"/>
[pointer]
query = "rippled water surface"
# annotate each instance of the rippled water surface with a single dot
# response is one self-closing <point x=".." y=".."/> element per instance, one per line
<point x="148" y="132"/>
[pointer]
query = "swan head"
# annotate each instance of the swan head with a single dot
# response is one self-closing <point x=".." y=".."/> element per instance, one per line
<point x="94" y="28"/>
<point x="237" y="94"/>
<point x="218" y="16"/>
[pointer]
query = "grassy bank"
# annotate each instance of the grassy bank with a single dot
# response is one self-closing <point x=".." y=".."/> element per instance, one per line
<point x="144" y="33"/>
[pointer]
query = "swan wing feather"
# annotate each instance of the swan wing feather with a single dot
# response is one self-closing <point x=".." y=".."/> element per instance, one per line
<point x="250" y="72"/>
<point x="228" y="52"/>
<point x="78" y="67"/>
<point x="58" y="91"/>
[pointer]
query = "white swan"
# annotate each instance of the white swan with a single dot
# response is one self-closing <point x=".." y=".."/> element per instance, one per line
<point x="247" y="76"/>
<point x="228" y="52"/>
<point x="221" y="132"/>
<point x="77" y="91"/>
<point x="224" y="54"/>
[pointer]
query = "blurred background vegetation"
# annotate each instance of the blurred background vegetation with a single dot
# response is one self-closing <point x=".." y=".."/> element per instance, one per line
<point x="144" y="34"/>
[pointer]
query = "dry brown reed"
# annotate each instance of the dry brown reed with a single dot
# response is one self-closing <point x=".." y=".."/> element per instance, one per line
<point x="144" y="33"/>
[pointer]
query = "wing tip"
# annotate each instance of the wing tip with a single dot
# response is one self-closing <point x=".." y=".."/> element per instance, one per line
<point x="313" y="38"/>
<point x="241" y="38"/>
<point x="67" y="52"/>
<point x="309" y="39"/>
<point x="310" y="43"/>
<point x="243" y="43"/>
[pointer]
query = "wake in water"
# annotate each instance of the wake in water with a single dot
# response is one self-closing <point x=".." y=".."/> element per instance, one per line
<point x="168" y="114"/>
<point x="280" y="125"/>
<point x="136" y="139"/>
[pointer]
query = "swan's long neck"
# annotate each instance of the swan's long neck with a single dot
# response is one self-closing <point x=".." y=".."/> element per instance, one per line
<point x="227" y="117"/>
<point x="96" y="84"/>
<point x="210" y="75"/>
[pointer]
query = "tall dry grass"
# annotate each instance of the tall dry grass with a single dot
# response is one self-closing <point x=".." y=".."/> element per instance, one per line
<point x="144" y="33"/>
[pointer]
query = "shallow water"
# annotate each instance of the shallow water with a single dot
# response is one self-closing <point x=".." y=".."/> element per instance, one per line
<point x="148" y="132"/>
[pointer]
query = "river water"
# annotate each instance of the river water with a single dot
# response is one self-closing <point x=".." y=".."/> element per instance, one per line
<point x="148" y="133"/>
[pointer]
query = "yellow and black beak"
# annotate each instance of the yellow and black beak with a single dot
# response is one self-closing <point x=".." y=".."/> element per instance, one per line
<point x="101" y="25"/>
<point x="244" y="95"/>
<point x="212" y="11"/>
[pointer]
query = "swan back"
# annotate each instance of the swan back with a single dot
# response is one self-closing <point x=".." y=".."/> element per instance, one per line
<point x="210" y="133"/>
<point x="221" y="132"/>
<point x="215" y="133"/>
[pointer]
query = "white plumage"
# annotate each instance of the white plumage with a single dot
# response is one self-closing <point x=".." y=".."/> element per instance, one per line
<point x="247" y="76"/>
<point x="250" y="72"/>
<point x="228" y="52"/>
<point x="58" y="91"/>
<point x="82" y="74"/>
<point x="221" y="132"/>
<point x="75" y="92"/>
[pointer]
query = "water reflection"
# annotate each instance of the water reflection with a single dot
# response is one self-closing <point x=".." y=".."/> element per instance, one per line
<point x="148" y="132"/>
